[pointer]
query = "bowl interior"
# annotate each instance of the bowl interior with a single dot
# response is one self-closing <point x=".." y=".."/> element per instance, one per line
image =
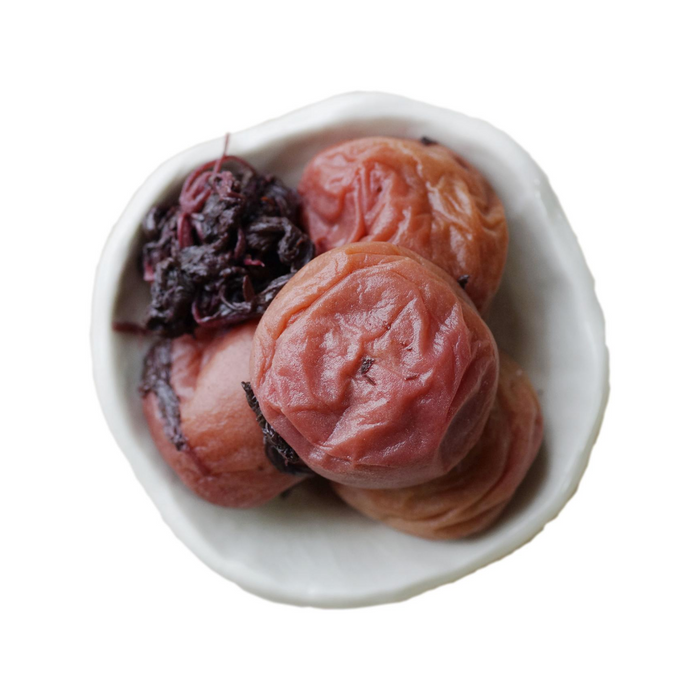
<point x="308" y="548"/>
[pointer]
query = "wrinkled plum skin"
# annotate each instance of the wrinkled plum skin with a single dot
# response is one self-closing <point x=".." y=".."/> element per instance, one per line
<point x="230" y="467"/>
<point x="422" y="197"/>
<point x="473" y="494"/>
<point x="374" y="365"/>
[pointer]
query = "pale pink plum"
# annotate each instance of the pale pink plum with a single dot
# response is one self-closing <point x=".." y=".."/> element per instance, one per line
<point x="420" y="196"/>
<point x="473" y="494"/>
<point x="225" y="463"/>
<point x="374" y="365"/>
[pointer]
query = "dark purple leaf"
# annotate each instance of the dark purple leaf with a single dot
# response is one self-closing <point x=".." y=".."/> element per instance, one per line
<point x="220" y="255"/>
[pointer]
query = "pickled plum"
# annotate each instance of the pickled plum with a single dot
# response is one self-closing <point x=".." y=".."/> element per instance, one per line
<point x="375" y="367"/>
<point x="473" y="494"/>
<point x="418" y="195"/>
<point x="210" y="436"/>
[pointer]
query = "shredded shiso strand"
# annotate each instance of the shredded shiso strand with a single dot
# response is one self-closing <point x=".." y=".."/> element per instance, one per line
<point x="156" y="379"/>
<point x="278" y="450"/>
<point x="220" y="254"/>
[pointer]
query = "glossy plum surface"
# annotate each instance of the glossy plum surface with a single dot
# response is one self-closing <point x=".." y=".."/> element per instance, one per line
<point x="374" y="365"/>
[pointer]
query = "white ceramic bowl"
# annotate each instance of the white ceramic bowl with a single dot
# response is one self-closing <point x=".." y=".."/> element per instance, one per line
<point x="309" y="549"/>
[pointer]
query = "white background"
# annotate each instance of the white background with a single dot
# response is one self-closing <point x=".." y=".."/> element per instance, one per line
<point x="99" y="600"/>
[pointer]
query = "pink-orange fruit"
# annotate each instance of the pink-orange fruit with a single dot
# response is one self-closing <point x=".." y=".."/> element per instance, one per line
<point x="374" y="365"/>
<point x="420" y="196"/>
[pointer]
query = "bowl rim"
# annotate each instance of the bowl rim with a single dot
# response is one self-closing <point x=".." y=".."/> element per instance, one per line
<point x="306" y="120"/>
